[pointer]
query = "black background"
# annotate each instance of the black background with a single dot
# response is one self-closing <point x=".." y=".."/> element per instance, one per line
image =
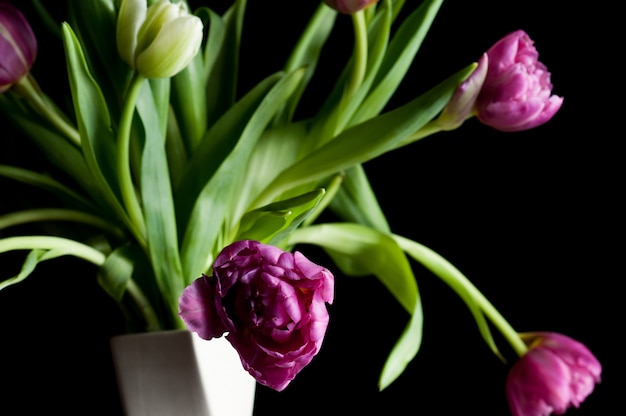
<point x="530" y="217"/>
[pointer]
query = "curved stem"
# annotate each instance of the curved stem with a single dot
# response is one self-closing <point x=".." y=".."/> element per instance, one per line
<point x="463" y="287"/>
<point x="360" y="54"/>
<point x="152" y="321"/>
<point x="57" y="214"/>
<point x="65" y="245"/>
<point x="339" y="117"/>
<point x="27" y="87"/>
<point x="127" y="188"/>
<point x="77" y="249"/>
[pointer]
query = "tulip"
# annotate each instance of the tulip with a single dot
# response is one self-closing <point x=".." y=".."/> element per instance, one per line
<point x="516" y="94"/>
<point x="18" y="46"/>
<point x="271" y="303"/>
<point x="349" y="6"/>
<point x="158" y="41"/>
<point x="555" y="373"/>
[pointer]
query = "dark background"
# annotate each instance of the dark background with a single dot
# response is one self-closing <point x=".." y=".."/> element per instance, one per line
<point x="530" y="217"/>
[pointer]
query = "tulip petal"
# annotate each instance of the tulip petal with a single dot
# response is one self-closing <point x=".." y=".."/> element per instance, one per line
<point x="197" y="309"/>
<point x="131" y="16"/>
<point x="174" y="47"/>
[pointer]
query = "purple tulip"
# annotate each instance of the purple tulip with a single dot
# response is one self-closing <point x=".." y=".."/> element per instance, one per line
<point x="557" y="372"/>
<point x="271" y="303"/>
<point x="18" y="46"/>
<point x="516" y="94"/>
<point x="349" y="6"/>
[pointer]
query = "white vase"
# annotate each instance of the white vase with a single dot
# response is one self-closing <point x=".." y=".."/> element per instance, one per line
<point x="173" y="373"/>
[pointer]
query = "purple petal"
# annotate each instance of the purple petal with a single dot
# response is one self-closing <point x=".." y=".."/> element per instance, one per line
<point x="196" y="307"/>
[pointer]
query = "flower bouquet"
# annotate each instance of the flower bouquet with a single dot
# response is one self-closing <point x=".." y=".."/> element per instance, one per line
<point x="196" y="198"/>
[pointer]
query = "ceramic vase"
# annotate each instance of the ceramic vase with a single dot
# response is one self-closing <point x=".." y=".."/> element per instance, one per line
<point x="173" y="373"/>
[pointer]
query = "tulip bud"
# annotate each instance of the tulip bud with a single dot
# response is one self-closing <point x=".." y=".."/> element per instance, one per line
<point x="18" y="46"/>
<point x="555" y="373"/>
<point x="349" y="6"/>
<point x="509" y="90"/>
<point x="516" y="94"/>
<point x="271" y="303"/>
<point x="158" y="41"/>
<point x="461" y="105"/>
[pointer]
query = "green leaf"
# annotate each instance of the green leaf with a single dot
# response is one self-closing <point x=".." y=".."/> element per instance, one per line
<point x="306" y="54"/>
<point x="175" y="149"/>
<point x="216" y="145"/>
<point x="128" y="278"/>
<point x="214" y="40"/>
<point x="117" y="271"/>
<point x="360" y="251"/>
<point x="94" y="23"/>
<point x="94" y="123"/>
<point x="272" y="223"/>
<point x="160" y="98"/>
<point x="356" y="202"/>
<point x="63" y="155"/>
<point x="397" y="7"/>
<point x="189" y="102"/>
<point x="222" y="82"/>
<point x="211" y="218"/>
<point x="453" y="278"/>
<point x="398" y="58"/>
<point x="405" y="349"/>
<point x="190" y="89"/>
<point x="364" y="141"/>
<point x="378" y="33"/>
<point x="158" y="204"/>
<point x="30" y="263"/>
<point x="276" y="150"/>
<point x="338" y="109"/>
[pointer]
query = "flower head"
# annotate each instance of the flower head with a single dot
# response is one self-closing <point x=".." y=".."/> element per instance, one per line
<point x="158" y="41"/>
<point x="349" y="6"/>
<point x="555" y="373"/>
<point x="271" y="303"/>
<point x="18" y="46"/>
<point x="516" y="94"/>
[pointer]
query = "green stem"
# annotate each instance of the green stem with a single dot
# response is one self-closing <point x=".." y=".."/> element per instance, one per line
<point x="360" y="54"/>
<point x="462" y="286"/>
<point x="339" y="117"/>
<point x="77" y="249"/>
<point x="68" y="246"/>
<point x="127" y="188"/>
<point x="152" y="321"/>
<point x="57" y="214"/>
<point x="27" y="88"/>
